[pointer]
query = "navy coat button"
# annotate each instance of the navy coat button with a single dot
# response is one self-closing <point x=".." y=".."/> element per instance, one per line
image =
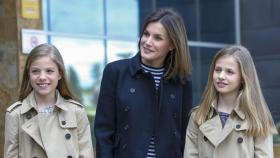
<point x="28" y="116"/>
<point x="240" y="140"/>
<point x="238" y="126"/>
<point x="205" y="138"/>
<point x="124" y="146"/>
<point x="69" y="156"/>
<point x="126" y="127"/>
<point x="68" y="136"/>
<point x="132" y="90"/>
<point x="127" y="108"/>
<point x="172" y="96"/>
<point x="63" y="122"/>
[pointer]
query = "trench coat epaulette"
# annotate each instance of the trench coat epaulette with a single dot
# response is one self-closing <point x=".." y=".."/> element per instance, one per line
<point x="13" y="106"/>
<point x="75" y="102"/>
<point x="193" y="109"/>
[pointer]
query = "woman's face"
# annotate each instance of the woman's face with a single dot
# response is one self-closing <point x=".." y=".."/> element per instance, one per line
<point x="227" y="76"/>
<point x="154" y="45"/>
<point x="44" y="76"/>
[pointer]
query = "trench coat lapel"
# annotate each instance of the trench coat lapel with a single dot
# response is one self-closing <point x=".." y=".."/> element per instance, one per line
<point x="68" y="116"/>
<point x="213" y="130"/>
<point x="32" y="129"/>
<point x="30" y="126"/>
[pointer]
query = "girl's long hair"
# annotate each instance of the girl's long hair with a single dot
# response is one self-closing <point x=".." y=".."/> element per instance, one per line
<point x="42" y="51"/>
<point x="252" y="101"/>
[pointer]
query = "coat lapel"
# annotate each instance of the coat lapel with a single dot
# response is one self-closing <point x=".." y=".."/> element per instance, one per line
<point x="31" y="128"/>
<point x="69" y="119"/>
<point x="213" y="130"/>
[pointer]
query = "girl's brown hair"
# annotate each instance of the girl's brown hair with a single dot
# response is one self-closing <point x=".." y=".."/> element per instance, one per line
<point x="179" y="58"/>
<point x="42" y="51"/>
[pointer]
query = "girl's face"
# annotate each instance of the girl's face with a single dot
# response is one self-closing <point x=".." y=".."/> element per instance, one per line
<point x="227" y="76"/>
<point x="154" y="45"/>
<point x="44" y="76"/>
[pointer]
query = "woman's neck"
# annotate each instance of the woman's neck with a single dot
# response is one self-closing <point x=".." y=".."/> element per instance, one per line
<point x="226" y="103"/>
<point x="48" y="100"/>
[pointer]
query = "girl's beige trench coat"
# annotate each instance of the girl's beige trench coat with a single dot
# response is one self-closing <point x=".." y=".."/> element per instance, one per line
<point x="210" y="140"/>
<point x="63" y="134"/>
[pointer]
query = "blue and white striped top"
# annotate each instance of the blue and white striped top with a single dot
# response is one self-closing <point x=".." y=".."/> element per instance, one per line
<point x="157" y="74"/>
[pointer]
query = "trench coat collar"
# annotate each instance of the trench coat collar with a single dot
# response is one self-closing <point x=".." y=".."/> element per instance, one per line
<point x="66" y="117"/>
<point x="237" y="109"/>
<point x="213" y="129"/>
<point x="136" y="69"/>
<point x="30" y="103"/>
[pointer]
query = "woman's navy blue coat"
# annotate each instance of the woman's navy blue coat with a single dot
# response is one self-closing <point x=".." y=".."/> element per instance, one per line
<point x="129" y="113"/>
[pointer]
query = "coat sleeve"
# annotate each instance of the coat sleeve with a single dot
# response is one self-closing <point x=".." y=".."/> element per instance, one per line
<point x="84" y="136"/>
<point x="187" y="106"/>
<point x="191" y="147"/>
<point x="11" y="145"/>
<point x="104" y="127"/>
<point x="263" y="147"/>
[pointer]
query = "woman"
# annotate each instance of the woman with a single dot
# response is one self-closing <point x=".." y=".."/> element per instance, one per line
<point x="144" y="101"/>
<point x="46" y="122"/>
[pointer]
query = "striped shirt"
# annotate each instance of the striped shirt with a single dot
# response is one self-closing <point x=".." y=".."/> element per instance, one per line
<point x="223" y="116"/>
<point x="157" y="73"/>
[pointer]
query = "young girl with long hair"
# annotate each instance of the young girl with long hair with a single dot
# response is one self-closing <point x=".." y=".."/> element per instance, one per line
<point x="233" y="119"/>
<point x="46" y="122"/>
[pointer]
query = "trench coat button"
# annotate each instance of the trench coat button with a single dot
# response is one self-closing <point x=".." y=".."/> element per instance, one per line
<point x="68" y="136"/>
<point x="69" y="156"/>
<point x="132" y="90"/>
<point x="126" y="127"/>
<point x="205" y="138"/>
<point x="124" y="146"/>
<point x="28" y="116"/>
<point x="172" y="96"/>
<point x="238" y="126"/>
<point x="240" y="140"/>
<point x="127" y="108"/>
<point x="63" y="122"/>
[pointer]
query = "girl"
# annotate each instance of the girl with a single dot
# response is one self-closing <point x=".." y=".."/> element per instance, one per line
<point x="46" y="122"/>
<point x="233" y="119"/>
<point x="144" y="101"/>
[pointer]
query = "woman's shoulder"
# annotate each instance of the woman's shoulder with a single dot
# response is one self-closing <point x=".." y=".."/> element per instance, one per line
<point x="14" y="107"/>
<point x="118" y="63"/>
<point x="134" y="60"/>
<point x="74" y="104"/>
<point x="193" y="111"/>
<point x="116" y="66"/>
